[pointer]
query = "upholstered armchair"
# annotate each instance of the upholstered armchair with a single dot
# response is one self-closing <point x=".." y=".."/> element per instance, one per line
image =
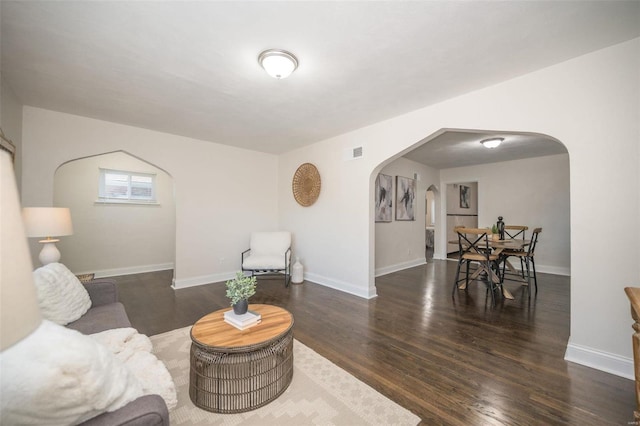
<point x="268" y="253"/>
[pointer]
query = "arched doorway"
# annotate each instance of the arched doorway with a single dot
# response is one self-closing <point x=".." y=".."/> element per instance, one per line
<point x="432" y="201"/>
<point x="510" y="184"/>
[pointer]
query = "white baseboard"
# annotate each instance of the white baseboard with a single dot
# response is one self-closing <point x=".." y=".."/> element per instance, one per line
<point x="104" y="273"/>
<point x="600" y="360"/>
<point x="311" y="277"/>
<point x="201" y="280"/>
<point x="546" y="269"/>
<point x="399" y="266"/>
<point x="543" y="269"/>
<point x="341" y="285"/>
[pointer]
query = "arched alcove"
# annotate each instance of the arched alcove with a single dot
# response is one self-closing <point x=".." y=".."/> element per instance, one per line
<point x="114" y="237"/>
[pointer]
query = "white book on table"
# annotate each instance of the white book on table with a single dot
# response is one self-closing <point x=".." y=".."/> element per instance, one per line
<point x="242" y="327"/>
<point x="243" y="320"/>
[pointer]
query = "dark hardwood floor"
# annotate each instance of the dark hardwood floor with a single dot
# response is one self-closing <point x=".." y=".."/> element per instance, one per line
<point x="453" y="362"/>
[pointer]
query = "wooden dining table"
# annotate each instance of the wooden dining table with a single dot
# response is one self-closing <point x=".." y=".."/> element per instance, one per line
<point x="499" y="246"/>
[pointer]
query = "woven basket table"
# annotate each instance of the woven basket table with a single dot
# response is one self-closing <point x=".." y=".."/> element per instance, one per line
<point x="232" y="370"/>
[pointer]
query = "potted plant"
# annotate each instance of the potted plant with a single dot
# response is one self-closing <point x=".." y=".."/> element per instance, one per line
<point x="495" y="232"/>
<point x="239" y="290"/>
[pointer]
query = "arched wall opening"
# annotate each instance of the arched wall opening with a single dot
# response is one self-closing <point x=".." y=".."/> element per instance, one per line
<point x="432" y="217"/>
<point x="115" y="238"/>
<point x="532" y="191"/>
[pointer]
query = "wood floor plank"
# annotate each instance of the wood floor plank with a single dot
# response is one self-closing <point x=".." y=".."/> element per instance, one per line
<point x="452" y="361"/>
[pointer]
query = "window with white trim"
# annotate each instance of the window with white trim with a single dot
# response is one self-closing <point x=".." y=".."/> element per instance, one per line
<point x="121" y="186"/>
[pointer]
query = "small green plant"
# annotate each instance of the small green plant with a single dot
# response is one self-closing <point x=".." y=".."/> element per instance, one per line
<point x="494" y="229"/>
<point x="241" y="287"/>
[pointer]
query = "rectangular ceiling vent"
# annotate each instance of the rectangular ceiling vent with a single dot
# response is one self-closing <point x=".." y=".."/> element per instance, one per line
<point x="353" y="153"/>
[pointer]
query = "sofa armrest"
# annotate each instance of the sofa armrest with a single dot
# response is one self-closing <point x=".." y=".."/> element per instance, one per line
<point x="148" y="410"/>
<point x="102" y="291"/>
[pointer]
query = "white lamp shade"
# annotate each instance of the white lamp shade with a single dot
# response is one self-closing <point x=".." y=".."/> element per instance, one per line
<point x="19" y="311"/>
<point x="47" y="221"/>
<point x="278" y="63"/>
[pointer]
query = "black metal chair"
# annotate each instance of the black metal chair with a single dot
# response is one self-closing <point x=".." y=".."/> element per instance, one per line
<point x="527" y="260"/>
<point x="473" y="246"/>
<point x="515" y="232"/>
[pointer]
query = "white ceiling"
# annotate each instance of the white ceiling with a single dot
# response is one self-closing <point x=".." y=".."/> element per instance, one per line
<point x="463" y="148"/>
<point x="190" y="68"/>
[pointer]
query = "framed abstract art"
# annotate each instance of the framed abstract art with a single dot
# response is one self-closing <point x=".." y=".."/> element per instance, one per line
<point x="405" y="198"/>
<point x="384" y="198"/>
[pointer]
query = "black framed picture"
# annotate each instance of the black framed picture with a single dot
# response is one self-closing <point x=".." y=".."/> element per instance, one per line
<point x="465" y="196"/>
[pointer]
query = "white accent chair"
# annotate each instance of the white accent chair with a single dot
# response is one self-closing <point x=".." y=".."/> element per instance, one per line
<point x="269" y="253"/>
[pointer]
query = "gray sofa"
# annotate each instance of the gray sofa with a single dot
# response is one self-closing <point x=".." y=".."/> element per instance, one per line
<point x="107" y="313"/>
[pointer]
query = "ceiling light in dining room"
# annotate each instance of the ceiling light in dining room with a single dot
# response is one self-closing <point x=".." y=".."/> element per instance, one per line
<point x="492" y="142"/>
<point x="278" y="63"/>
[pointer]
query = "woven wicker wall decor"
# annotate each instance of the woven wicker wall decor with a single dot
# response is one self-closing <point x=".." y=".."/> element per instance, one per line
<point x="306" y="184"/>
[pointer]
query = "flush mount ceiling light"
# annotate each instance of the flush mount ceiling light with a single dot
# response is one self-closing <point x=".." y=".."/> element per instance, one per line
<point x="492" y="143"/>
<point x="278" y="63"/>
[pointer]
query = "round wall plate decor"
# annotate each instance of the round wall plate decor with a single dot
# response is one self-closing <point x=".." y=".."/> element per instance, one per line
<point x="306" y="184"/>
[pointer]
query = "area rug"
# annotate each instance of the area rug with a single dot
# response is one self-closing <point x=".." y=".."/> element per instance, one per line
<point x="320" y="393"/>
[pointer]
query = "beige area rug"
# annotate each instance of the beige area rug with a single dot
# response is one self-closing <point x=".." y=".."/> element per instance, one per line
<point x="320" y="393"/>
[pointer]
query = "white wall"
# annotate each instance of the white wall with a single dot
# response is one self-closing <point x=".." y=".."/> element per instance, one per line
<point x="11" y="123"/>
<point x="221" y="193"/>
<point x="589" y="103"/>
<point x="114" y="239"/>
<point x="401" y="244"/>
<point x="532" y="192"/>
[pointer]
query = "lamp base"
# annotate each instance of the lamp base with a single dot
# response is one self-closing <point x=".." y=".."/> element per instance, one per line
<point x="49" y="252"/>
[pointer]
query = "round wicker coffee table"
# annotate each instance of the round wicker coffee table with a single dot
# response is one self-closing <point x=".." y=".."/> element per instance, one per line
<point x="233" y="371"/>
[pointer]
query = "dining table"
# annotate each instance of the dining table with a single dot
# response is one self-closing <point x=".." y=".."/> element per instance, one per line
<point x="499" y="247"/>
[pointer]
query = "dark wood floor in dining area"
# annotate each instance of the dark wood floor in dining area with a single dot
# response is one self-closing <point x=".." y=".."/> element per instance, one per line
<point x="451" y="362"/>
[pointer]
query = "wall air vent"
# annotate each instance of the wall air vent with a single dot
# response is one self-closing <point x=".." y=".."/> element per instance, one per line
<point x="353" y="153"/>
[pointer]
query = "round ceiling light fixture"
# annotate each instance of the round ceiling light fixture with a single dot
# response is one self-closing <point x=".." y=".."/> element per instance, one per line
<point x="278" y="63"/>
<point x="492" y="142"/>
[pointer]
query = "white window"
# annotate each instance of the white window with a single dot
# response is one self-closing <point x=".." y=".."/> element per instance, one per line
<point x="126" y="187"/>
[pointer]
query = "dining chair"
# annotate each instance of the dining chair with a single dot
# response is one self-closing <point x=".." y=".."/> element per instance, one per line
<point x="473" y="247"/>
<point x="515" y="232"/>
<point x="527" y="259"/>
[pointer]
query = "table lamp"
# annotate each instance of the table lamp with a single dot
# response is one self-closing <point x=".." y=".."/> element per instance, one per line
<point x="19" y="311"/>
<point x="47" y="222"/>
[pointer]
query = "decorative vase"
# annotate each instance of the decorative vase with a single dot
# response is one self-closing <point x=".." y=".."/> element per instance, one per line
<point x="297" y="274"/>
<point x="241" y="307"/>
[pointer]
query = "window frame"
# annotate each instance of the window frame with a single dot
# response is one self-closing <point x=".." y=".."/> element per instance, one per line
<point x="103" y="198"/>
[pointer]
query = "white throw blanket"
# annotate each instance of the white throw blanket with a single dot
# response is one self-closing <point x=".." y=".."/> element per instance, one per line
<point x="134" y="350"/>
<point x="59" y="376"/>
